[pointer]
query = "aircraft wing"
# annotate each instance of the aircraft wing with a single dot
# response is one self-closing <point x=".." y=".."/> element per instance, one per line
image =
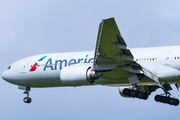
<point x="113" y="58"/>
<point x="111" y="47"/>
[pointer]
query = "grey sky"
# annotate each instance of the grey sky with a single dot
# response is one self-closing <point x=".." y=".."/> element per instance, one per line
<point x="34" y="27"/>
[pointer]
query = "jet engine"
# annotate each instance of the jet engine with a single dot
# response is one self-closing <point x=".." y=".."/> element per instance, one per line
<point x="78" y="74"/>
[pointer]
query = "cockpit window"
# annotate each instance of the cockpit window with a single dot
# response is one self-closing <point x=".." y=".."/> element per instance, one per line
<point x="9" y="67"/>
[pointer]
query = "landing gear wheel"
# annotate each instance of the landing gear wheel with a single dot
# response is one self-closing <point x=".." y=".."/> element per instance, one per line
<point x="133" y="93"/>
<point x="145" y="96"/>
<point x="126" y="91"/>
<point x="176" y="102"/>
<point x="157" y="98"/>
<point x="27" y="100"/>
<point x="171" y="101"/>
<point x="140" y="95"/>
<point x="165" y="99"/>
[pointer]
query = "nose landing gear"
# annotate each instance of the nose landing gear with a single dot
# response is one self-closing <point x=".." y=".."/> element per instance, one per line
<point x="27" y="99"/>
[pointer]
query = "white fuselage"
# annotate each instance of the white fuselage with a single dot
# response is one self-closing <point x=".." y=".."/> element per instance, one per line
<point x="44" y="70"/>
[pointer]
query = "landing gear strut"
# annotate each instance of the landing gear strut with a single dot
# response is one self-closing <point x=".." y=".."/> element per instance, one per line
<point x="27" y="99"/>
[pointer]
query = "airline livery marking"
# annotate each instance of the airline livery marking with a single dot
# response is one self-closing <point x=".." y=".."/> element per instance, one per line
<point x="33" y="68"/>
<point x="65" y="62"/>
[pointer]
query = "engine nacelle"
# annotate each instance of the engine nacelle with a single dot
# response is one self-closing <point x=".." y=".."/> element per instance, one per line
<point x="78" y="74"/>
<point x="148" y="89"/>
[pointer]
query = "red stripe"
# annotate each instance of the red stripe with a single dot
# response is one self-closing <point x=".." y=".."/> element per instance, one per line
<point x="33" y="68"/>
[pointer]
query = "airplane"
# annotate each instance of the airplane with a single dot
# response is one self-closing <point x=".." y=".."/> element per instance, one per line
<point x="137" y="72"/>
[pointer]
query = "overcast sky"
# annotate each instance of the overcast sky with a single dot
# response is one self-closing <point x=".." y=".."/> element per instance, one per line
<point x="30" y="27"/>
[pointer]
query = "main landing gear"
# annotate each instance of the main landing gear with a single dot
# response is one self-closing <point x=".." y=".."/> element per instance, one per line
<point x="27" y="99"/>
<point x="135" y="93"/>
<point x="166" y="99"/>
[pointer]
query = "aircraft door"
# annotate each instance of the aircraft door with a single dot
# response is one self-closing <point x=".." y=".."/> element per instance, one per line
<point x="166" y="60"/>
<point x="23" y="68"/>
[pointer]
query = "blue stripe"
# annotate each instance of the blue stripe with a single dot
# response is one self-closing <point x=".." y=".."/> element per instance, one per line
<point x="42" y="58"/>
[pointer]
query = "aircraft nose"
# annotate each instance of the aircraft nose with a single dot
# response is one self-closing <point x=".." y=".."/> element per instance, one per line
<point x="6" y="75"/>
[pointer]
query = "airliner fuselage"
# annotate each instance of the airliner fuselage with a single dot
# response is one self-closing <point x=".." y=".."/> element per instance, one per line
<point x="46" y="73"/>
<point x="137" y="72"/>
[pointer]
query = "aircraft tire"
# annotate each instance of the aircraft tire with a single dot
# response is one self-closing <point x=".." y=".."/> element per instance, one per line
<point x="140" y="95"/>
<point x="27" y="100"/>
<point x="171" y="101"/>
<point x="133" y="93"/>
<point x="157" y="98"/>
<point x="145" y="96"/>
<point x="126" y="91"/>
<point x="176" y="102"/>
<point x="165" y="99"/>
